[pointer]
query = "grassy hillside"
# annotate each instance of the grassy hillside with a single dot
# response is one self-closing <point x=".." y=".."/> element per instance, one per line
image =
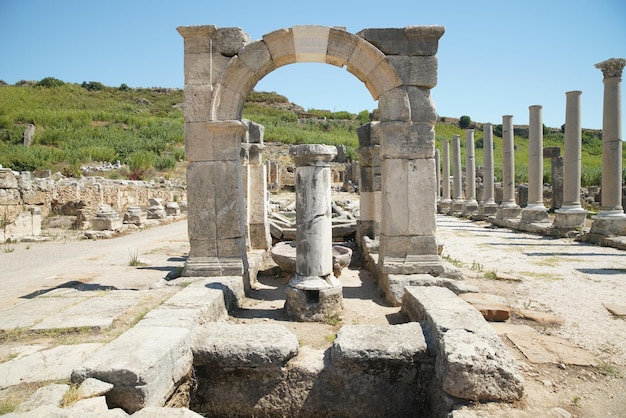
<point x="143" y="128"/>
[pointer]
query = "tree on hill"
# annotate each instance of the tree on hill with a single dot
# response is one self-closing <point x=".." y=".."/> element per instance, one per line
<point x="465" y="122"/>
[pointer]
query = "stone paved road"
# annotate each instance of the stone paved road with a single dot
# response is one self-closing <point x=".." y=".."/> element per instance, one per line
<point x="34" y="268"/>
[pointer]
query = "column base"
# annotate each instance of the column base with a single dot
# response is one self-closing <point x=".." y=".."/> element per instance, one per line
<point x="609" y="226"/>
<point x="569" y="219"/>
<point x="508" y="212"/>
<point x="313" y="305"/>
<point x="470" y="208"/>
<point x="444" y="206"/>
<point x="456" y="207"/>
<point x="487" y="209"/>
<point x="213" y="266"/>
<point x="537" y="214"/>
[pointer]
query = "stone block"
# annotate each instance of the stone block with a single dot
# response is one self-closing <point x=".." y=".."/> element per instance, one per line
<point x="417" y="71"/>
<point x="310" y="43"/>
<point x="228" y="103"/>
<point x="422" y="105"/>
<point x="257" y="57"/>
<point x="213" y="141"/>
<point x="364" y="59"/>
<point x="396" y="282"/>
<point x="491" y="307"/>
<point x="382" y="79"/>
<point x="7" y="179"/>
<point x="402" y="246"/>
<point x="11" y="197"/>
<point x="197" y="68"/>
<point x="478" y="368"/>
<point x="197" y="38"/>
<point x="379" y="345"/>
<point x="409" y="187"/>
<point x="91" y="387"/>
<point x="198" y="101"/>
<point x="406" y="140"/>
<point x="341" y="44"/>
<point x="395" y="106"/>
<point x="281" y="46"/>
<point x="472" y="362"/>
<point x="243" y="345"/>
<point x="238" y="77"/>
<point x="146" y="374"/>
<point x="411" y="40"/>
<point x="164" y="412"/>
<point x="229" y="41"/>
<point x="47" y="395"/>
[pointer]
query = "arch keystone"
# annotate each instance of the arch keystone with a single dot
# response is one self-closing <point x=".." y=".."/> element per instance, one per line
<point x="310" y="43"/>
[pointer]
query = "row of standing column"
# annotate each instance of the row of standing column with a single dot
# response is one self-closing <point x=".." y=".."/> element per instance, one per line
<point x="610" y="221"/>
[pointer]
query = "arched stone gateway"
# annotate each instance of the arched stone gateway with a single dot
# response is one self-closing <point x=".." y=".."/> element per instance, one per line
<point x="397" y="66"/>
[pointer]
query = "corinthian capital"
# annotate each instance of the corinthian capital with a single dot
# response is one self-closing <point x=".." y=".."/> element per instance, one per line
<point x="612" y="67"/>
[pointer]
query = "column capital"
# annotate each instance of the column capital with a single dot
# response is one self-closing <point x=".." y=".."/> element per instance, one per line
<point x="312" y="154"/>
<point x="612" y="67"/>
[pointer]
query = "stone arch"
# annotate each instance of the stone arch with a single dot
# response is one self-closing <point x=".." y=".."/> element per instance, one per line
<point x="314" y="44"/>
<point x="398" y="66"/>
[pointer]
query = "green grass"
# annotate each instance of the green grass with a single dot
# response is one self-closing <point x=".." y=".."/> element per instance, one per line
<point x="144" y="129"/>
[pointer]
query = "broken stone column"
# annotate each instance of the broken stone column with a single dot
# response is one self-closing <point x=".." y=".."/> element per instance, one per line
<point x="156" y="209"/>
<point x="29" y="134"/>
<point x="369" y="158"/>
<point x="611" y="220"/>
<point x="438" y="175"/>
<point x="106" y="219"/>
<point x="535" y="211"/>
<point x="488" y="206"/>
<point x="134" y="215"/>
<point x="508" y="208"/>
<point x="571" y="215"/>
<point x="444" y="204"/>
<point x="256" y="189"/>
<point x="457" y="182"/>
<point x="313" y="293"/>
<point x="172" y="209"/>
<point x="470" y="205"/>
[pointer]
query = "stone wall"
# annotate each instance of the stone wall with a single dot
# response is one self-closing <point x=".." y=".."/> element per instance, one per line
<point x="26" y="200"/>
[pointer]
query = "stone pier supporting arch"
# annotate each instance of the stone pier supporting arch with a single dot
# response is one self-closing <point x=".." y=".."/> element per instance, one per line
<point x="397" y="66"/>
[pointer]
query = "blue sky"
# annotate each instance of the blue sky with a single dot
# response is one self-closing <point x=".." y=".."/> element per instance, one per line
<point x="495" y="58"/>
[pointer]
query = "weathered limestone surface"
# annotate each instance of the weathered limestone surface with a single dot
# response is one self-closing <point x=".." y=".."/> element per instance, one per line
<point x="243" y="345"/>
<point x="357" y="345"/>
<point x="472" y="363"/>
<point x="47" y="395"/>
<point x="146" y="375"/>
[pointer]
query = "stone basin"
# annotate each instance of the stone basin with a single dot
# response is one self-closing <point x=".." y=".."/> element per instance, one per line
<point x="284" y="254"/>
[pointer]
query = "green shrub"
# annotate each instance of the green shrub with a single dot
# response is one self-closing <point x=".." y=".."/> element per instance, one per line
<point x="141" y="160"/>
<point x="163" y="163"/>
<point x="50" y="82"/>
<point x="93" y="86"/>
<point x="465" y="122"/>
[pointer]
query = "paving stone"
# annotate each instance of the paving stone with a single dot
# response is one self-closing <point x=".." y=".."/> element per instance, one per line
<point x="615" y="309"/>
<point x="144" y="364"/>
<point x="540" y="317"/>
<point x="29" y="313"/>
<point x="52" y="364"/>
<point x="47" y="395"/>
<point x="95" y="312"/>
<point x="244" y="345"/>
<point x="491" y="307"/>
<point x="539" y="348"/>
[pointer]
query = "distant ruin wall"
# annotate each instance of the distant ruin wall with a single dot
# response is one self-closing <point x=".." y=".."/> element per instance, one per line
<point x="23" y="198"/>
